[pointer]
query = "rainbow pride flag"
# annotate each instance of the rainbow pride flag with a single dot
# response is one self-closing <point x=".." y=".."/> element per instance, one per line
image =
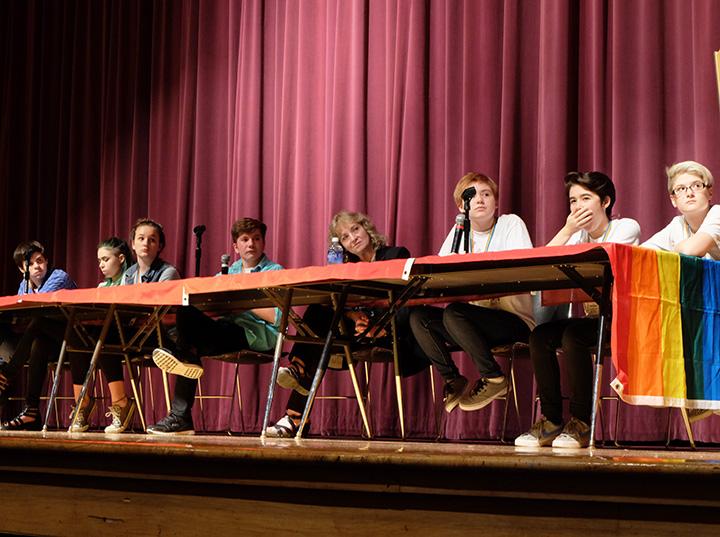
<point x="666" y="328"/>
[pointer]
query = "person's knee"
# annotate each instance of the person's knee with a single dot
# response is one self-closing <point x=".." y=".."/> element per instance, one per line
<point x="541" y="336"/>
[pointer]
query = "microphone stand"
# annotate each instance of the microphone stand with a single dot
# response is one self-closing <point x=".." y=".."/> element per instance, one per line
<point x="466" y="226"/>
<point x="198" y="231"/>
<point x="28" y="256"/>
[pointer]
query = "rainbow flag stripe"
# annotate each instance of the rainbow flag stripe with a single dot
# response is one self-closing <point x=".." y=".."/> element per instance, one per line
<point x="666" y="329"/>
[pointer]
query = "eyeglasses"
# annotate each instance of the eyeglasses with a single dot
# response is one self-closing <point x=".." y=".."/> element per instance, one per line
<point x="683" y="190"/>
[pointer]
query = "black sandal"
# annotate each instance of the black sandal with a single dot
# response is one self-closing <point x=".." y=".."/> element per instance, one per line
<point x="19" y="424"/>
<point x="285" y="427"/>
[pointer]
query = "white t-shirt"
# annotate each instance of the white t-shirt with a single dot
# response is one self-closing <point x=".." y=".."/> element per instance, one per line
<point x="678" y="230"/>
<point x="509" y="233"/>
<point x="622" y="231"/>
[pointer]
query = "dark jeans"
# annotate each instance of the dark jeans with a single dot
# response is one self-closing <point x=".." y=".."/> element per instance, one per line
<point x="576" y="337"/>
<point x="475" y="329"/>
<point x="411" y="358"/>
<point x="39" y="343"/>
<point x="199" y="335"/>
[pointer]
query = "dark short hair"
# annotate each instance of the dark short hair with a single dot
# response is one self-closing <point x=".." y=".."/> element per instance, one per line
<point x="247" y="225"/>
<point x="148" y="222"/>
<point x="118" y="246"/>
<point x="596" y="182"/>
<point x="25" y="249"/>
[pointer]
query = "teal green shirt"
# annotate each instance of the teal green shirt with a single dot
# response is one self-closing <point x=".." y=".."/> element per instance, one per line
<point x="261" y="335"/>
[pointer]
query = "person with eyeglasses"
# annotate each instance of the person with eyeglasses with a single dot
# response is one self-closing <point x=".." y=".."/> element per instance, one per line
<point x="696" y="230"/>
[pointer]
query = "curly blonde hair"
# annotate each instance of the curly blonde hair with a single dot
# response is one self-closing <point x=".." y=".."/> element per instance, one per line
<point x="347" y="217"/>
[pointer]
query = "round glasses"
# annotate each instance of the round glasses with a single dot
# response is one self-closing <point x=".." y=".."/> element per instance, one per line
<point x="683" y="190"/>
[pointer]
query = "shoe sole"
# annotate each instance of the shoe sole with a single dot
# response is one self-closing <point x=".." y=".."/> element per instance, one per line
<point x="287" y="381"/>
<point x="168" y="363"/>
<point x="451" y="405"/>
<point x="536" y="442"/>
<point x="482" y="404"/>
<point x="171" y="433"/>
<point x="571" y="444"/>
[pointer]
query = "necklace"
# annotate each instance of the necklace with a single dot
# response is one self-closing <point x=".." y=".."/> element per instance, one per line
<point x="489" y="239"/>
<point x="605" y="234"/>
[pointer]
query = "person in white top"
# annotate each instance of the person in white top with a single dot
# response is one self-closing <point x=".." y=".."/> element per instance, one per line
<point x="479" y="326"/>
<point x="591" y="197"/>
<point x="696" y="230"/>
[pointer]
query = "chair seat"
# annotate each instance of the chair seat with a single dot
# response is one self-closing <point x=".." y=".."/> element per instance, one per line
<point x="504" y="351"/>
<point x="247" y="357"/>
<point x="374" y="354"/>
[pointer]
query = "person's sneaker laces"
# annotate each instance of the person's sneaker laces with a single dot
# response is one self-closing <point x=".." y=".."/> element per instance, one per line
<point x="121" y="417"/>
<point x="291" y="378"/>
<point x="453" y="391"/>
<point x="542" y="433"/>
<point x="483" y="393"/>
<point x="166" y="361"/>
<point x="172" y="424"/>
<point x="575" y="435"/>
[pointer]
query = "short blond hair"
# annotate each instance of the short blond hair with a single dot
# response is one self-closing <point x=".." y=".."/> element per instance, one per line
<point x="469" y="178"/>
<point x="691" y="167"/>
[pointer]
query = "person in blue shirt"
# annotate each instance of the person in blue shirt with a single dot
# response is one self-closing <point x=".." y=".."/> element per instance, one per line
<point x="42" y="337"/>
<point x="200" y="335"/>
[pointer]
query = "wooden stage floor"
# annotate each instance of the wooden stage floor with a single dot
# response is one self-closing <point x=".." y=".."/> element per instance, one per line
<point x="93" y="484"/>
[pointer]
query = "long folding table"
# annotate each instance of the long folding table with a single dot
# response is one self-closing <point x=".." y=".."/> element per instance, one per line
<point x="386" y="284"/>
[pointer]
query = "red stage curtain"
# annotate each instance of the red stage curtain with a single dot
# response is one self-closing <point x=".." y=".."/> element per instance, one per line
<point x="202" y="111"/>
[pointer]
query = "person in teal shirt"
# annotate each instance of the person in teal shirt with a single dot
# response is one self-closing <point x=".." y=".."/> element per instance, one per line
<point x="198" y="334"/>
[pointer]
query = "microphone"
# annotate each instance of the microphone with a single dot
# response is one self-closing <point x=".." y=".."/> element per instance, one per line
<point x="224" y="260"/>
<point x="468" y="193"/>
<point x="459" y="226"/>
<point x="199" y="230"/>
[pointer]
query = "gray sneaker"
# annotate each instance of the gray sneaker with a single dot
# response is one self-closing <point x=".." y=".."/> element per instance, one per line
<point x="483" y="393"/>
<point x="542" y="433"/>
<point x="121" y="417"/>
<point x="81" y="424"/>
<point x="575" y="435"/>
<point x="453" y="391"/>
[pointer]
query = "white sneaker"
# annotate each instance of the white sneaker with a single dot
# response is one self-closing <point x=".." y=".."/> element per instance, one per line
<point x="542" y="433"/>
<point x="121" y="417"/>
